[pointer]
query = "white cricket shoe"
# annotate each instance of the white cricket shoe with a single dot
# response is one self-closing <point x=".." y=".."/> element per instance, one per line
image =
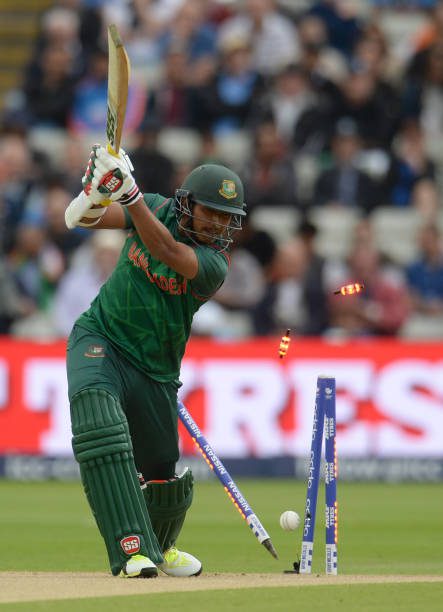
<point x="139" y="566"/>
<point x="180" y="564"/>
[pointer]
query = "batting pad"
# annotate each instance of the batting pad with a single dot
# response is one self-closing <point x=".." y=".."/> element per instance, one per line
<point x="103" y="448"/>
<point x="168" y="502"/>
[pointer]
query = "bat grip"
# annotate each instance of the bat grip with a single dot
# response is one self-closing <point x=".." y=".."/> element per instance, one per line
<point x="111" y="150"/>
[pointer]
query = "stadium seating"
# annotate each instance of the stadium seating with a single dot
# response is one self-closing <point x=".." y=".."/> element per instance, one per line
<point x="336" y="230"/>
<point x="396" y="231"/>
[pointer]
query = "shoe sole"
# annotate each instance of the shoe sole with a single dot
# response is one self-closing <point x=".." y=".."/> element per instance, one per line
<point x="190" y="575"/>
<point x="148" y="572"/>
<point x="145" y="572"/>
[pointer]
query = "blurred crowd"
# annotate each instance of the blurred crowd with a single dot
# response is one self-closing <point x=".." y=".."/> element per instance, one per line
<point x="331" y="112"/>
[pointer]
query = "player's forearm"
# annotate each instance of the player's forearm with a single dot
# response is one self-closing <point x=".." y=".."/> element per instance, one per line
<point x="161" y="243"/>
<point x="156" y="237"/>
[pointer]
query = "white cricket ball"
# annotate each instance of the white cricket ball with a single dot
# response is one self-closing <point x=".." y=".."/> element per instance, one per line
<point x="289" y="520"/>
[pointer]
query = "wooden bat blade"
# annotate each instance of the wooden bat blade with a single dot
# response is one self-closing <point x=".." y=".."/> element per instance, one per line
<point x="118" y="83"/>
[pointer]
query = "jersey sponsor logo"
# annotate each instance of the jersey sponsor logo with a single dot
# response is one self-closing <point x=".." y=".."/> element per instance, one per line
<point x="227" y="189"/>
<point x="130" y="544"/>
<point x="167" y="284"/>
<point x="95" y="350"/>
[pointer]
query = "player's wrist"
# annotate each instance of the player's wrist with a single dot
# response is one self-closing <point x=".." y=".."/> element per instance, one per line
<point x="132" y="197"/>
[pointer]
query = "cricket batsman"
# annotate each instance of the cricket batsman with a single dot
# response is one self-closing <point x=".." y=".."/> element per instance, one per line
<point x="124" y="353"/>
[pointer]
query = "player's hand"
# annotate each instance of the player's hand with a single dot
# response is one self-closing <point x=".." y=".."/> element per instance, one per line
<point x="112" y="177"/>
<point x="86" y="209"/>
<point x="83" y="212"/>
<point x="93" y="195"/>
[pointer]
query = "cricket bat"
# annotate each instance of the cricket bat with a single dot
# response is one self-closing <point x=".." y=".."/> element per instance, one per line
<point x="118" y="84"/>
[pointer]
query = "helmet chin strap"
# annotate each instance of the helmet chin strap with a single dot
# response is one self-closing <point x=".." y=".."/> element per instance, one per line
<point x="184" y="211"/>
<point x="193" y="235"/>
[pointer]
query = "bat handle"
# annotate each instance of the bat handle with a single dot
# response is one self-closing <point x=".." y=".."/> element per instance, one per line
<point x="111" y="150"/>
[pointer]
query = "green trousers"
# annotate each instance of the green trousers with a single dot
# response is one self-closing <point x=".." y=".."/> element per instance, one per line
<point x="150" y="406"/>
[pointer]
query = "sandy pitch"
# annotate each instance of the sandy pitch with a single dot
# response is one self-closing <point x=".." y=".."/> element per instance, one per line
<point x="35" y="586"/>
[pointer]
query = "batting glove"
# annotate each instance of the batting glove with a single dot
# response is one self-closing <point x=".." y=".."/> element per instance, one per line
<point x="112" y="177"/>
<point x="89" y="205"/>
<point x="89" y="174"/>
<point x="82" y="207"/>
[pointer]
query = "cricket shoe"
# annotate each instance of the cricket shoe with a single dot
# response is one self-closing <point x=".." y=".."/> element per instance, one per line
<point x="180" y="564"/>
<point x="139" y="566"/>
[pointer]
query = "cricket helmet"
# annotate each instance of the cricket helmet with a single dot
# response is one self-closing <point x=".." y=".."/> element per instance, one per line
<point x="216" y="187"/>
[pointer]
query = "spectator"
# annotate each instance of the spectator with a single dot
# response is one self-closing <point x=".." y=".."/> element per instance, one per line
<point x="373" y="53"/>
<point x="49" y="88"/>
<point x="90" y="99"/>
<point x="360" y="98"/>
<point x="382" y="308"/>
<point x="190" y="31"/>
<point x="426" y="199"/>
<point x="60" y="26"/>
<point x="70" y="162"/>
<point x="16" y="179"/>
<point x="57" y="199"/>
<point x="297" y="292"/>
<point x="245" y="283"/>
<point x="154" y="171"/>
<point x="93" y="266"/>
<point x="287" y="101"/>
<point x="282" y="305"/>
<point x="228" y="102"/>
<point x="326" y="64"/>
<point x="344" y="184"/>
<point x="236" y="310"/>
<point x="285" y="76"/>
<point x="251" y="257"/>
<point x="423" y="95"/>
<point x="156" y="16"/>
<point x="273" y="37"/>
<point x="432" y="30"/>
<point x="259" y="243"/>
<point x="36" y="265"/>
<point x="410" y="163"/>
<point x="12" y="304"/>
<point x="170" y="101"/>
<point x="143" y="29"/>
<point x="425" y="276"/>
<point x="341" y="22"/>
<point x="269" y="175"/>
<point x="314" y="284"/>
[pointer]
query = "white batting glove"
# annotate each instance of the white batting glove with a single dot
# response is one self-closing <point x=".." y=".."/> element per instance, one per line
<point x="94" y="197"/>
<point x="82" y="207"/>
<point x="112" y="178"/>
<point x="85" y="205"/>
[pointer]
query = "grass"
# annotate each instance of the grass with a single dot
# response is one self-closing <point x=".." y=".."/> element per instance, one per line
<point x="383" y="529"/>
<point x="364" y="598"/>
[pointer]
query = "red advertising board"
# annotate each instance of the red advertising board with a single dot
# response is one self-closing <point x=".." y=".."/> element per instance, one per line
<point x="250" y="403"/>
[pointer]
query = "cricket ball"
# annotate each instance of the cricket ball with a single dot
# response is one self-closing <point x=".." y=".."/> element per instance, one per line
<point x="289" y="520"/>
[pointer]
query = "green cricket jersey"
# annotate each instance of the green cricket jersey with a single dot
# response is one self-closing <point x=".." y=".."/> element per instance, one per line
<point x="145" y="308"/>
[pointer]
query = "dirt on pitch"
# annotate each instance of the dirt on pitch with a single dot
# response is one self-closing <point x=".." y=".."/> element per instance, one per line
<point x="38" y="586"/>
